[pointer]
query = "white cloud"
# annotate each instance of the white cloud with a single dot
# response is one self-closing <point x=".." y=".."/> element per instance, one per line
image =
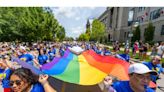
<point x="77" y="18"/>
<point x="63" y="11"/>
<point x="76" y="31"/>
<point x="74" y="19"/>
<point x="92" y="8"/>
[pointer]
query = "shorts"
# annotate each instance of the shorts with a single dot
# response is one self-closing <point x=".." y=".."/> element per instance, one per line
<point x="140" y="51"/>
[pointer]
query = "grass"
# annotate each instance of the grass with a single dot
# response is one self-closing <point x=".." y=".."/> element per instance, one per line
<point x="137" y="56"/>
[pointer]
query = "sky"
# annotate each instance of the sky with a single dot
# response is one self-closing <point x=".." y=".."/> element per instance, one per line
<point x="74" y="19"/>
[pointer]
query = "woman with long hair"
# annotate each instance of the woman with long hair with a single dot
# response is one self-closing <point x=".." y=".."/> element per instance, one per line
<point x="23" y="80"/>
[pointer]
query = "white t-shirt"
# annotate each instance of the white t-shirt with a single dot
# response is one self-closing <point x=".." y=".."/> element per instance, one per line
<point x="57" y="53"/>
<point x="160" y="50"/>
<point x="76" y="49"/>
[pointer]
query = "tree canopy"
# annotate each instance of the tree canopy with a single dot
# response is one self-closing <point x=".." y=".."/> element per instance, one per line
<point x="28" y="24"/>
<point x="97" y="31"/>
<point x="84" y="37"/>
<point x="136" y="34"/>
<point x="149" y="33"/>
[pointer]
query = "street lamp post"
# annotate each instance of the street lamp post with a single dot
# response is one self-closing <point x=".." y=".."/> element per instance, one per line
<point x="130" y="37"/>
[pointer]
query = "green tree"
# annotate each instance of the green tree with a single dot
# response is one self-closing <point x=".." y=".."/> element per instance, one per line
<point x="88" y="34"/>
<point x="9" y="24"/>
<point x="136" y="34"/>
<point x="98" y="30"/>
<point x="84" y="37"/>
<point x="149" y="33"/>
<point x="28" y="24"/>
<point x="88" y="31"/>
<point x="61" y="33"/>
<point x="68" y="39"/>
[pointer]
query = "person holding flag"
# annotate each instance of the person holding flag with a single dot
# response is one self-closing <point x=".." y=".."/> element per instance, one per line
<point x="154" y="64"/>
<point x="125" y="56"/>
<point x="139" y="78"/>
<point x="24" y="56"/>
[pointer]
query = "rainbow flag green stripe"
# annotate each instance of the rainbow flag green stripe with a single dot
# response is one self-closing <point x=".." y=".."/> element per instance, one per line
<point x="72" y="72"/>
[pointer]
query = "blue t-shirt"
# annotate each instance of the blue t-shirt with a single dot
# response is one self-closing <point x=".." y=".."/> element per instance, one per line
<point x="107" y="52"/>
<point x="42" y="59"/>
<point x="54" y="51"/>
<point x="94" y="48"/>
<point x="1" y="70"/>
<point x="61" y="51"/>
<point x="27" y="58"/>
<point x="124" y="57"/>
<point x="51" y="55"/>
<point x="37" y="88"/>
<point x="88" y="47"/>
<point x="123" y="86"/>
<point x="158" y="68"/>
<point x="68" y="45"/>
<point x="98" y="51"/>
<point x="6" y="81"/>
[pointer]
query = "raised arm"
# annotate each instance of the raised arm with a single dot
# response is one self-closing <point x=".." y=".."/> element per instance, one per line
<point x="43" y="79"/>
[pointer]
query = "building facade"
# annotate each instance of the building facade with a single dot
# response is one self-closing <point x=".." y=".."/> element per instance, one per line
<point x="119" y="22"/>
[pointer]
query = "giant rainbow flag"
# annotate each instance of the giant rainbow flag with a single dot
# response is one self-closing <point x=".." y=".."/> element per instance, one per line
<point x="87" y="68"/>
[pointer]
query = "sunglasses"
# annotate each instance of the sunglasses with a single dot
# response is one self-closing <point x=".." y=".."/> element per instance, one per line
<point x="17" y="82"/>
<point x="158" y="60"/>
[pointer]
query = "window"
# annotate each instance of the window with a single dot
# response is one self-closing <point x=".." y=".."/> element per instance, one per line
<point x="162" y="30"/>
<point x="155" y="14"/>
<point x="130" y="17"/>
<point x="158" y="12"/>
<point x="130" y="23"/>
<point x="151" y="15"/>
<point x="141" y="9"/>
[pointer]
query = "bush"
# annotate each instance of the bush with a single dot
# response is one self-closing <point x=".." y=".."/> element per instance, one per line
<point x="151" y="43"/>
<point x="109" y="43"/>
